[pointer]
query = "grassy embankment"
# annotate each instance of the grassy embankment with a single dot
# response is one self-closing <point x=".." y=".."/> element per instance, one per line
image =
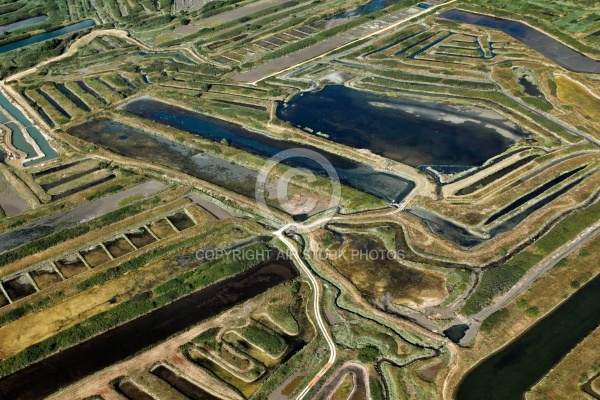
<point x="496" y="281"/>
<point x="161" y="295"/>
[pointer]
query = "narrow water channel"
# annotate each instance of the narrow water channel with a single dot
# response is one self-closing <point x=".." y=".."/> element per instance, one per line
<point x="18" y="138"/>
<point x="88" y="23"/>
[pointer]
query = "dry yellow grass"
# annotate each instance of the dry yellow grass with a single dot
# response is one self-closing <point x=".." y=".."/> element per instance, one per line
<point x="199" y="215"/>
<point x="578" y="97"/>
<point x="39" y="325"/>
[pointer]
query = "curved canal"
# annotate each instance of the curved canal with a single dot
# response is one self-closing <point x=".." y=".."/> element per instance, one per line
<point x="561" y="54"/>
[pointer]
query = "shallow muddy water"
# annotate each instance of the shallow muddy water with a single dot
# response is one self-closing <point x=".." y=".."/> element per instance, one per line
<point x="382" y="277"/>
<point x="23" y="23"/>
<point x="70" y="218"/>
<point x="10" y="201"/>
<point x="88" y="23"/>
<point x="133" y="142"/>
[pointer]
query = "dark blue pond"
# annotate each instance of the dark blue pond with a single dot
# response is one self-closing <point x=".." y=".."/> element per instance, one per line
<point x="548" y="46"/>
<point x="412" y="132"/>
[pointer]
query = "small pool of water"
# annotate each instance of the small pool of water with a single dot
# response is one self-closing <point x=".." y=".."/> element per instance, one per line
<point x="456" y="332"/>
<point x="529" y="87"/>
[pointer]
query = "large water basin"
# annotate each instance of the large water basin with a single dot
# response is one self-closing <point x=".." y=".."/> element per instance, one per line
<point x="351" y="173"/>
<point x="553" y="49"/>
<point x="412" y="132"/>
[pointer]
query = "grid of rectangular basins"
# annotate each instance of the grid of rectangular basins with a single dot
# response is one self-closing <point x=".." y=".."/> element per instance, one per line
<point x="53" y="272"/>
<point x="262" y="46"/>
